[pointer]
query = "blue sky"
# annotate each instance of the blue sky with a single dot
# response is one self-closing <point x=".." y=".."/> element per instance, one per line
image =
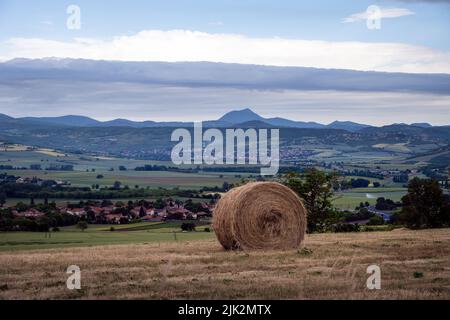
<point x="311" y="20"/>
<point x="417" y="41"/>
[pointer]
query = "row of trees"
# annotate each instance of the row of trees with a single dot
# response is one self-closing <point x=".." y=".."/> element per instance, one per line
<point x="52" y="219"/>
<point x="424" y="206"/>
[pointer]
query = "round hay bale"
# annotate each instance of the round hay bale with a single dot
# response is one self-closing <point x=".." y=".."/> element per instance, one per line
<point x="260" y="215"/>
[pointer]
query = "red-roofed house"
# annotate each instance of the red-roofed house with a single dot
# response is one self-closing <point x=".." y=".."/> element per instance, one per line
<point x="32" y="213"/>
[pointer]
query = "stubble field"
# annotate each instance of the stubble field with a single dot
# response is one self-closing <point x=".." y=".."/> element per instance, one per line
<point x="414" y="265"/>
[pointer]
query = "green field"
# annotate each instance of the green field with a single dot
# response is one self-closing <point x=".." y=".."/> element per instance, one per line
<point x="87" y="168"/>
<point x="100" y="235"/>
<point x="131" y="178"/>
<point x="350" y="199"/>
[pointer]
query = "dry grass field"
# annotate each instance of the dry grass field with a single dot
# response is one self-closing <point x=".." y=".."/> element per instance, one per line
<point x="414" y="265"/>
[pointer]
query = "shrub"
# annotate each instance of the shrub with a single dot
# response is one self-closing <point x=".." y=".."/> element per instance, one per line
<point x="188" y="226"/>
<point x="82" y="225"/>
<point x="376" y="221"/>
<point x="346" y="227"/>
<point x="362" y="214"/>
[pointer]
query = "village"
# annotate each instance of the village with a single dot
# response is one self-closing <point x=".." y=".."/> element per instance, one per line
<point x="107" y="212"/>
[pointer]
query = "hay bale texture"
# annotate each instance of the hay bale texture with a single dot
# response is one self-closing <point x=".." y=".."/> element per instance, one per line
<point x="260" y="215"/>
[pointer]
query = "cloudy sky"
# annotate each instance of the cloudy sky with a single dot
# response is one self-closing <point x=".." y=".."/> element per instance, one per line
<point x="410" y="36"/>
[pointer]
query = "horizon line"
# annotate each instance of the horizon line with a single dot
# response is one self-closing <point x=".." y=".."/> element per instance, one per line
<point x="103" y="120"/>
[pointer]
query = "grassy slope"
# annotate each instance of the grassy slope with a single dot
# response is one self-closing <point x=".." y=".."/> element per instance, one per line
<point x="334" y="266"/>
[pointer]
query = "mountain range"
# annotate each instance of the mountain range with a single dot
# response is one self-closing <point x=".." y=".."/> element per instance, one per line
<point x="246" y="117"/>
<point x="152" y="140"/>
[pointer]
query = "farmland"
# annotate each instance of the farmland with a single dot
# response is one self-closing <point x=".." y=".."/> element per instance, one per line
<point x="152" y="179"/>
<point x="87" y="170"/>
<point x="414" y="265"/>
<point x="97" y="235"/>
<point x="348" y="200"/>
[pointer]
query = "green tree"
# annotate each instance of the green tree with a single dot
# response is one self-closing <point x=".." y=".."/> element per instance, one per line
<point x="82" y="225"/>
<point x="375" y="221"/>
<point x="316" y="189"/>
<point x="142" y="212"/>
<point x="188" y="226"/>
<point x="117" y="185"/>
<point x="2" y="199"/>
<point x="120" y="204"/>
<point x="159" y="203"/>
<point x="425" y="205"/>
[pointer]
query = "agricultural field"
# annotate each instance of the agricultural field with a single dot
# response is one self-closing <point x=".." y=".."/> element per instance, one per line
<point x="87" y="168"/>
<point x="414" y="265"/>
<point x="131" y="178"/>
<point x="146" y="232"/>
<point x="348" y="200"/>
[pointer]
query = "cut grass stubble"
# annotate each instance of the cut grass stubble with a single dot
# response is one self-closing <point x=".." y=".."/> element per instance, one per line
<point x="329" y="266"/>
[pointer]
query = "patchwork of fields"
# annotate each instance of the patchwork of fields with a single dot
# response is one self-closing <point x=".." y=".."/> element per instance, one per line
<point x="158" y="261"/>
<point x="87" y="169"/>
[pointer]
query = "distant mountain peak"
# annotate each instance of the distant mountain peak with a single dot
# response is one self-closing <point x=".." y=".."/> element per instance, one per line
<point x="347" y="125"/>
<point x="240" y="116"/>
<point x="69" y="120"/>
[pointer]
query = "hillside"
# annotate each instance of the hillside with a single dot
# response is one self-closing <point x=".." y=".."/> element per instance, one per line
<point x="154" y="142"/>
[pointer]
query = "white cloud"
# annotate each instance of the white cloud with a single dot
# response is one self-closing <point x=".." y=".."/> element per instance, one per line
<point x="185" y="45"/>
<point x="381" y="14"/>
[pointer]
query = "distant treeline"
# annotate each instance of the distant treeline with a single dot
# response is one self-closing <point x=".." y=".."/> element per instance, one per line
<point x="24" y="191"/>
<point x="236" y="169"/>
<point x="52" y="167"/>
<point x="364" y="173"/>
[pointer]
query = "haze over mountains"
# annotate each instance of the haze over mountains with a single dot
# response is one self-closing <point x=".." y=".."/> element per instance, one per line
<point x="158" y="91"/>
<point x="245" y="117"/>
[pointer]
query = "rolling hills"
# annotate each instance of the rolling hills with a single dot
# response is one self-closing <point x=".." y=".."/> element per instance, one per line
<point x="151" y="140"/>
